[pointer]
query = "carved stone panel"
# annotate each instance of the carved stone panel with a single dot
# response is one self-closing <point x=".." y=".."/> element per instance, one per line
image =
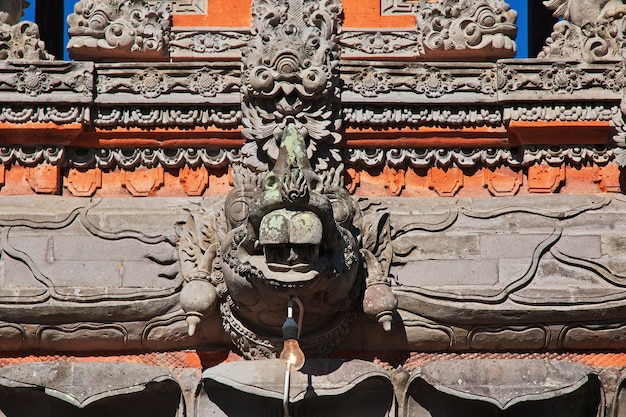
<point x="58" y="389"/>
<point x="79" y="275"/>
<point x="119" y="30"/>
<point x="457" y="30"/>
<point x="589" y="31"/>
<point x="503" y="388"/>
<point x="322" y="387"/>
<point x="19" y="40"/>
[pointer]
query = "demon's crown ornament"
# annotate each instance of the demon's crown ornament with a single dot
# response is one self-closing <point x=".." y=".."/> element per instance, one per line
<point x="290" y="76"/>
<point x="288" y="237"/>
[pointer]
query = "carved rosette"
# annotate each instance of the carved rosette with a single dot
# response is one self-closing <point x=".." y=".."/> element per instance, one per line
<point x="290" y="76"/>
<point x="119" y="29"/>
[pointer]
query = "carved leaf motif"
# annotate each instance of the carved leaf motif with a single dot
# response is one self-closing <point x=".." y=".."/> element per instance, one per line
<point x="560" y="7"/>
<point x="196" y="237"/>
<point x="377" y="238"/>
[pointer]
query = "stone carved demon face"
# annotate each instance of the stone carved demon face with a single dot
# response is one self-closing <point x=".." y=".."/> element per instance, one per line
<point x="287" y="237"/>
<point x="288" y="243"/>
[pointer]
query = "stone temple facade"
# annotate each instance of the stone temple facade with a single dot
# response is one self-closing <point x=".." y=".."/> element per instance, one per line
<point x="438" y="225"/>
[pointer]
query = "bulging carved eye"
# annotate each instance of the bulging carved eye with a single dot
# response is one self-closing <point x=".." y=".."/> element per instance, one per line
<point x="238" y="210"/>
<point x="313" y="80"/>
<point x="270" y="182"/>
<point x="261" y="79"/>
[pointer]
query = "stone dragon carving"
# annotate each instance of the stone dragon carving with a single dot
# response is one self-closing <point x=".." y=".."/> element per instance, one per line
<point x="590" y="31"/>
<point x="19" y="40"/>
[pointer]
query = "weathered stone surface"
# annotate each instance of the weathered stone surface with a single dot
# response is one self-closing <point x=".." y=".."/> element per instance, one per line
<point x="530" y="271"/>
<point x="503" y="387"/>
<point x="322" y="387"/>
<point x="19" y="40"/>
<point x="443" y="272"/>
<point x="61" y="388"/>
<point x="115" y="30"/>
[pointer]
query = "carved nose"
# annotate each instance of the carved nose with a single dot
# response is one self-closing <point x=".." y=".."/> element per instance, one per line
<point x="293" y="257"/>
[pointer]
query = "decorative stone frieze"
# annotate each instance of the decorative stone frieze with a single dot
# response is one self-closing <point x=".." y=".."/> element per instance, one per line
<point x="372" y="115"/>
<point x="107" y="158"/>
<point x="44" y="114"/>
<point x="417" y="82"/>
<point x="150" y="117"/>
<point x="208" y="43"/>
<point x="119" y="30"/>
<point x="171" y="83"/>
<point x="575" y="156"/>
<point x="58" y="82"/>
<point x="376" y="43"/>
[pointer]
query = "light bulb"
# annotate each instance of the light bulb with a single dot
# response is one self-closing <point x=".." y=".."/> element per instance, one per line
<point x="291" y="355"/>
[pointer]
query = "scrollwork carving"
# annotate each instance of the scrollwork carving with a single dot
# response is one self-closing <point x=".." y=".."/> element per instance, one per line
<point x="290" y="75"/>
<point x="19" y="40"/>
<point x="486" y="26"/>
<point x="381" y="43"/>
<point x="591" y="31"/>
<point x="119" y="29"/>
<point x="208" y="43"/>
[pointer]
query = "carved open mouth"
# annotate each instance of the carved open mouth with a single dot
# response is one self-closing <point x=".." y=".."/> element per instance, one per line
<point x="296" y="275"/>
<point x="290" y="257"/>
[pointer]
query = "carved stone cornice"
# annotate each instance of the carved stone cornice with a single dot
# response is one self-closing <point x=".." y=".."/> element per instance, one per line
<point x="119" y="30"/>
<point x="134" y="158"/>
<point x="110" y="158"/>
<point x="368" y="115"/>
<point x="165" y="116"/>
<point x="575" y="156"/>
